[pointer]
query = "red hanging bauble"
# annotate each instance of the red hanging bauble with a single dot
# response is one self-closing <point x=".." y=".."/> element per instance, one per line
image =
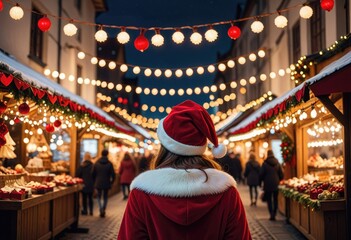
<point x="327" y="5"/>
<point x="2" y="107"/>
<point x="49" y="128"/>
<point x="141" y="43"/>
<point x="16" y="120"/>
<point x="44" y="24"/>
<point x="234" y="32"/>
<point x="125" y="101"/>
<point x="1" y="5"/>
<point x="136" y="104"/>
<point x="57" y="123"/>
<point x="23" y="108"/>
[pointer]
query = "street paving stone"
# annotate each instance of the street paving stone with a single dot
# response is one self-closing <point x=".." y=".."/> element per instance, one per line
<point x="257" y="216"/>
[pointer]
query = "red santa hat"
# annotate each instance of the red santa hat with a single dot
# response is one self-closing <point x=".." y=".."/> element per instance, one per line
<point x="186" y="129"/>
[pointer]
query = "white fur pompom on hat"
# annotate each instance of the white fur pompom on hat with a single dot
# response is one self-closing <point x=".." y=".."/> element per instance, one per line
<point x="219" y="151"/>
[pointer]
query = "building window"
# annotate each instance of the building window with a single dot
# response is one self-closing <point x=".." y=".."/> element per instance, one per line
<point x="36" y="39"/>
<point x="78" y="5"/>
<point x="296" y="42"/>
<point x="79" y="85"/>
<point x="317" y="28"/>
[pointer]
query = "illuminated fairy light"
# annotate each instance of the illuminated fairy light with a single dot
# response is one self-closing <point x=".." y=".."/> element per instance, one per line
<point x="249" y="135"/>
<point x="115" y="135"/>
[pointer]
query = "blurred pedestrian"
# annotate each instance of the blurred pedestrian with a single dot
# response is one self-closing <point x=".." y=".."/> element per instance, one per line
<point x="104" y="176"/>
<point x="185" y="195"/>
<point x="85" y="171"/>
<point x="127" y="172"/>
<point x="238" y="168"/>
<point x="144" y="162"/>
<point x="271" y="174"/>
<point x="252" y="173"/>
<point x="228" y="165"/>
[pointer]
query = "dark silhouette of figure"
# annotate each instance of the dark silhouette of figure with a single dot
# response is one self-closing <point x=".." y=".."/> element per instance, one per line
<point x="252" y="173"/>
<point x="85" y="171"/>
<point x="127" y="172"/>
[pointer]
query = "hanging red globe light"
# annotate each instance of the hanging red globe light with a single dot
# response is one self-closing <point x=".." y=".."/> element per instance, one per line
<point x="141" y="43"/>
<point x="23" y="108"/>
<point x="125" y="101"/>
<point x="1" y="5"/>
<point x="136" y="104"/>
<point x="234" y="32"/>
<point x="49" y="128"/>
<point x="327" y="5"/>
<point x="44" y="23"/>
<point x="57" y="123"/>
<point x="2" y="107"/>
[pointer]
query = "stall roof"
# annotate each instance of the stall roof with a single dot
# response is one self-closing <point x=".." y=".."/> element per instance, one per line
<point x="37" y="79"/>
<point x="328" y="70"/>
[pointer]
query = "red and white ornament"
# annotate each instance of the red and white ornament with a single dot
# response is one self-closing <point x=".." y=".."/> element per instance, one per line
<point x="44" y="24"/>
<point x="234" y="32"/>
<point x="327" y="5"/>
<point x="23" y="108"/>
<point x="141" y="43"/>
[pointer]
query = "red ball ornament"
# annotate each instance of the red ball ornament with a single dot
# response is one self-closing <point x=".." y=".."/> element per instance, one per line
<point x="141" y="43"/>
<point x="49" y="128"/>
<point x="2" y="107"/>
<point x="234" y="32"/>
<point x="327" y="5"/>
<point x="57" y="123"/>
<point x="136" y="104"/>
<point x="16" y="120"/>
<point x="23" y="108"/>
<point x="44" y="24"/>
<point x="1" y="5"/>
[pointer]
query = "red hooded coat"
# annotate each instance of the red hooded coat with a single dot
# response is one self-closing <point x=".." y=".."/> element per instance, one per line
<point x="180" y="204"/>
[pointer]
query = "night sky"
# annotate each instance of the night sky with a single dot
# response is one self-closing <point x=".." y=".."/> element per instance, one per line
<point x="158" y="13"/>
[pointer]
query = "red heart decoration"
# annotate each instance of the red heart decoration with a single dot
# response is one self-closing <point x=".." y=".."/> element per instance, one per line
<point x="18" y="83"/>
<point x="41" y="93"/>
<point x="25" y="85"/>
<point x="52" y="98"/>
<point x="6" y="80"/>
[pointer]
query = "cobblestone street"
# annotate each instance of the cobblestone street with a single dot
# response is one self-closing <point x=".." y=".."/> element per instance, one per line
<point x="107" y="228"/>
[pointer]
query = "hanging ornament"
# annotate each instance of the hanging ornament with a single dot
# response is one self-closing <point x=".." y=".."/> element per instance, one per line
<point x="16" y="120"/>
<point x="178" y="37"/>
<point x="101" y="35"/>
<point x="23" y="108"/>
<point x="157" y="39"/>
<point x="57" y="123"/>
<point x="70" y="29"/>
<point x="44" y="23"/>
<point x="234" y="32"/>
<point x="1" y="5"/>
<point x="306" y="12"/>
<point x="211" y="35"/>
<point x="123" y="37"/>
<point x="49" y="128"/>
<point x="327" y="5"/>
<point x="281" y="21"/>
<point x="141" y="43"/>
<point x="16" y="12"/>
<point x="196" y="37"/>
<point x="2" y="107"/>
<point x="257" y="26"/>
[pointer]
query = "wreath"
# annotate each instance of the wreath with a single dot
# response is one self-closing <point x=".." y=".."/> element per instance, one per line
<point x="287" y="148"/>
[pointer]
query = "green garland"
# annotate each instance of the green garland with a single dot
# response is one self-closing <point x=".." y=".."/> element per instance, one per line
<point x="287" y="148"/>
<point x="303" y="199"/>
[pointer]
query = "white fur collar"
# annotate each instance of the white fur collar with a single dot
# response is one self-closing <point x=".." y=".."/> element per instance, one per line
<point x="183" y="183"/>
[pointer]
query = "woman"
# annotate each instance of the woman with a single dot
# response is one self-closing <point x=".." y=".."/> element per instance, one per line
<point x="85" y="171"/>
<point x="127" y="172"/>
<point x="185" y="195"/>
<point x="252" y="171"/>
<point x="271" y="174"/>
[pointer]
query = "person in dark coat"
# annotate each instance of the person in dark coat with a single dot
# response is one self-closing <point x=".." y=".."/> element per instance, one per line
<point x="271" y="174"/>
<point x="85" y="171"/>
<point x="252" y="171"/>
<point x="144" y="162"/>
<point x="228" y="165"/>
<point x="127" y="172"/>
<point x="238" y="169"/>
<point x="103" y="175"/>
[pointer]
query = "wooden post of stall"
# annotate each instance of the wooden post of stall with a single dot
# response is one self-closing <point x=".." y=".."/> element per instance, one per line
<point x="347" y="160"/>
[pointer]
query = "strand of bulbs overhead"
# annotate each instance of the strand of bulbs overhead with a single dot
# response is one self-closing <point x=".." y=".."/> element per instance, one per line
<point x="178" y="72"/>
<point x="141" y="43"/>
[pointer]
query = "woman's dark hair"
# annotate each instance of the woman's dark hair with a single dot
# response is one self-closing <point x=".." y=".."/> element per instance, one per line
<point x="166" y="159"/>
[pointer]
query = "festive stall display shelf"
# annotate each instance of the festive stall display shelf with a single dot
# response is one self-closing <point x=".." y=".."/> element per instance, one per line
<point x="7" y="177"/>
<point x="41" y="216"/>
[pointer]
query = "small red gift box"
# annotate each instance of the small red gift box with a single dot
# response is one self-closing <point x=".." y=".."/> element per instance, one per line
<point x="18" y="195"/>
